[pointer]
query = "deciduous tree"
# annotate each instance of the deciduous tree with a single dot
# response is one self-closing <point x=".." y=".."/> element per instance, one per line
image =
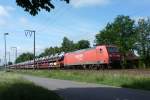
<point x="67" y="45"/>
<point x="143" y="43"/>
<point x="35" y="6"/>
<point x="82" y="44"/>
<point x="121" y="32"/>
<point x="24" y="57"/>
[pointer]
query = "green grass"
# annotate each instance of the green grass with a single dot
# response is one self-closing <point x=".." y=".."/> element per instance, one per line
<point x="13" y="87"/>
<point x="120" y="78"/>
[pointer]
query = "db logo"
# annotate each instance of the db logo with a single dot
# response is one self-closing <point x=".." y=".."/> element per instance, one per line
<point x="79" y="57"/>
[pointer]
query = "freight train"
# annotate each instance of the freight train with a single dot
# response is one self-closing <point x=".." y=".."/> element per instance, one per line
<point x="103" y="56"/>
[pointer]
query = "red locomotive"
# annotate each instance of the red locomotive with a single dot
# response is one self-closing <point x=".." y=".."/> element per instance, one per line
<point x="97" y="57"/>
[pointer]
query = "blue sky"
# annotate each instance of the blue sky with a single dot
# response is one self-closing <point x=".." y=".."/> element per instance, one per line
<point x="81" y="19"/>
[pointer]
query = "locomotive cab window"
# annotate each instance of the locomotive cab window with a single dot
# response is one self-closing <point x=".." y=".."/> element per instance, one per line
<point x="112" y="49"/>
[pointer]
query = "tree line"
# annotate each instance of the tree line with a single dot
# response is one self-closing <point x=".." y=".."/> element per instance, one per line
<point x="66" y="46"/>
<point x="127" y="34"/>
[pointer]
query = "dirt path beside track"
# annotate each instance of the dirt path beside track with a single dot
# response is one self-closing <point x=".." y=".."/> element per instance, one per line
<point x="71" y="90"/>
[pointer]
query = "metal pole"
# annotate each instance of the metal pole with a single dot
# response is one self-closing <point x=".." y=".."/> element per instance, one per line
<point x="32" y="31"/>
<point x="15" y="52"/>
<point x="5" y="49"/>
<point x="0" y="62"/>
<point x="34" y="49"/>
<point x="16" y="57"/>
<point x="9" y="56"/>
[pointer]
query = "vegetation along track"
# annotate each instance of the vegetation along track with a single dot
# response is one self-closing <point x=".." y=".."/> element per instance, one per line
<point x="131" y="78"/>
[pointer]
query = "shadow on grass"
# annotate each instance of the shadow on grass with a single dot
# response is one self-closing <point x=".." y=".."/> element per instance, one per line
<point x="138" y="84"/>
<point x="26" y="91"/>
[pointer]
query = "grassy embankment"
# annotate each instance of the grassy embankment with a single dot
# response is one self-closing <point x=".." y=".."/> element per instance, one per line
<point x="13" y="87"/>
<point x="121" y="78"/>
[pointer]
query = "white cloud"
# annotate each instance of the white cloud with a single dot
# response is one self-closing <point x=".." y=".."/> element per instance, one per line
<point x="84" y="3"/>
<point x="23" y="21"/>
<point x="5" y="10"/>
<point x="4" y="14"/>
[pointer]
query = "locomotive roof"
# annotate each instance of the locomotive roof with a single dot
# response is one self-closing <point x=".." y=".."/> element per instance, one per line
<point x="82" y="50"/>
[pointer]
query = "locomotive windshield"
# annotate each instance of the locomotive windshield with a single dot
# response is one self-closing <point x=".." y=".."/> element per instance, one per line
<point x="112" y="49"/>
